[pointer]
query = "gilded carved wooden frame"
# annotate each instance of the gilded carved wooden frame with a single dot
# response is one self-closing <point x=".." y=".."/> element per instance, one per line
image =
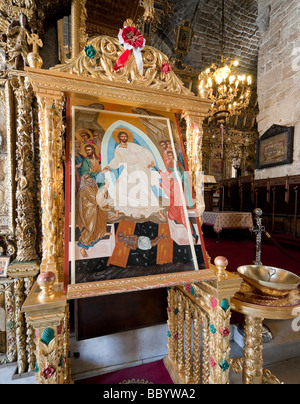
<point x="80" y="76"/>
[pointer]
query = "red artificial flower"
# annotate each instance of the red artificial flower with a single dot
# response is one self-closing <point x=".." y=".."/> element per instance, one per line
<point x="166" y="68"/>
<point x="132" y="37"/>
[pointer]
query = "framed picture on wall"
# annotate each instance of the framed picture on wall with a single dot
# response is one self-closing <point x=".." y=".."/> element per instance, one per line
<point x="217" y="168"/>
<point x="132" y="211"/>
<point x="184" y="36"/>
<point x="275" y="147"/>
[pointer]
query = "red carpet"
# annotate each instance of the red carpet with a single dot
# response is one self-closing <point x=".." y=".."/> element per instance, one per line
<point x="150" y="373"/>
<point x="240" y="252"/>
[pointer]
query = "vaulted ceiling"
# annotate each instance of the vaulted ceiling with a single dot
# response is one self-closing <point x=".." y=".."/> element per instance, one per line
<point x="241" y="32"/>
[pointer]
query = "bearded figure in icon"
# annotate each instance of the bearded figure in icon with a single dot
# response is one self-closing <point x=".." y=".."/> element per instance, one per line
<point x="133" y="191"/>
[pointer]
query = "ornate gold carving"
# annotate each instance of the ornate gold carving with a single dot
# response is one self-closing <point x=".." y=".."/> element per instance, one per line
<point x="237" y="365"/>
<point x="20" y="325"/>
<point x="4" y="23"/>
<point x="10" y="323"/>
<point x="34" y="59"/>
<point x="12" y="9"/>
<point x="253" y="352"/>
<point x="52" y="353"/>
<point x="102" y="67"/>
<point x="25" y="175"/>
<point x="269" y="378"/>
<point x="17" y="40"/>
<point x="205" y="304"/>
<point x="194" y="135"/>
<point x="51" y="82"/>
<point x="78" y="291"/>
<point x="50" y="321"/>
<point x="30" y="336"/>
<point x="52" y="195"/>
<point x="23" y="269"/>
<point x="6" y="160"/>
<point x="149" y="10"/>
<point x="206" y="349"/>
<point x="83" y="36"/>
<point x="171" y="323"/>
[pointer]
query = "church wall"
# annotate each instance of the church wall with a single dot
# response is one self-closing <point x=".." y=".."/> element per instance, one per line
<point x="279" y="74"/>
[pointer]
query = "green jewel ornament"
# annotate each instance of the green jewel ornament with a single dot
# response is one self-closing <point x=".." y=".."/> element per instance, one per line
<point x="224" y="366"/>
<point x="225" y="305"/>
<point x="10" y="325"/>
<point x="47" y="336"/>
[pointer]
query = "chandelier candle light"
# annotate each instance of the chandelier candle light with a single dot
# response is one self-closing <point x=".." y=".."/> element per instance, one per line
<point x="229" y="90"/>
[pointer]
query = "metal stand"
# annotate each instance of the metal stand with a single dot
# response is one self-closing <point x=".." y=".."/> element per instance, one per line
<point x="258" y="230"/>
<point x="267" y="335"/>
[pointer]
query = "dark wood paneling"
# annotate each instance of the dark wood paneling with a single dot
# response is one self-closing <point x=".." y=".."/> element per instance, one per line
<point x="105" y="315"/>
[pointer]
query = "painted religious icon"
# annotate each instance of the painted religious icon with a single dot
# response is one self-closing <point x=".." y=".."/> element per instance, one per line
<point x="132" y="208"/>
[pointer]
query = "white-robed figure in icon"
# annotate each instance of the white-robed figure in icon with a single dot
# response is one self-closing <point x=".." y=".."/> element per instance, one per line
<point x="133" y="191"/>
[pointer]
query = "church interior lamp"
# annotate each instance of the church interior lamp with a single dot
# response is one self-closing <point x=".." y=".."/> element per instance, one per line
<point x="229" y="90"/>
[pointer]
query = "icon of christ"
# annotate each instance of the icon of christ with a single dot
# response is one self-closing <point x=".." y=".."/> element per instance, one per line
<point x="134" y="196"/>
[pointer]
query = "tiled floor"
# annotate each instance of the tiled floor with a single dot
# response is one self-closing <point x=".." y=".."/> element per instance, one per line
<point x="288" y="372"/>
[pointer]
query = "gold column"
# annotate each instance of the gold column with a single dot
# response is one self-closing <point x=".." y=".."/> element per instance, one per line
<point x="30" y="336"/>
<point x="52" y="194"/>
<point x="48" y="314"/>
<point x="171" y="323"/>
<point x="180" y="334"/>
<point x="188" y="342"/>
<point x="194" y="137"/>
<point x="196" y="346"/>
<point x="20" y="325"/>
<point x="209" y="302"/>
<point x="79" y="36"/>
<point x="253" y="351"/>
<point x="206" y="350"/>
<point x="215" y="297"/>
<point x="26" y="232"/>
<point x="10" y="323"/>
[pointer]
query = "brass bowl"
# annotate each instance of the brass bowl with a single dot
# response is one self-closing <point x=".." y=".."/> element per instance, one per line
<point x="269" y="281"/>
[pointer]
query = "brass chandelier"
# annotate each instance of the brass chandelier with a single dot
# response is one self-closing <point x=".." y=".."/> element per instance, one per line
<point x="229" y="91"/>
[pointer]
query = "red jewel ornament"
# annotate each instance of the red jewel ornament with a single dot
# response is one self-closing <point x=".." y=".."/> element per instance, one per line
<point x="48" y="372"/>
<point x="212" y="362"/>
